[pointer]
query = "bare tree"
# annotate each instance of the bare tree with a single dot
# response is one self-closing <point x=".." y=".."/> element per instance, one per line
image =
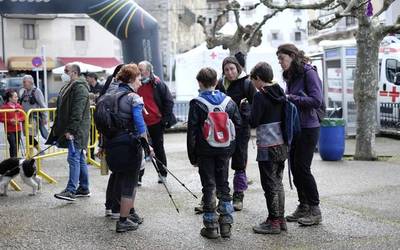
<point x="369" y="35"/>
<point x="244" y="37"/>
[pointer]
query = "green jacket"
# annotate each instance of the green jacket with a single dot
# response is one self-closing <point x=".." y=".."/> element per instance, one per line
<point x="72" y="115"/>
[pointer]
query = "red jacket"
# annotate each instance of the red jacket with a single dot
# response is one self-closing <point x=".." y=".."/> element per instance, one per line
<point x="11" y="117"/>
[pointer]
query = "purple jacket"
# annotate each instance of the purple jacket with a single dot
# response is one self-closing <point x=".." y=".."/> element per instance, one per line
<point x="306" y="93"/>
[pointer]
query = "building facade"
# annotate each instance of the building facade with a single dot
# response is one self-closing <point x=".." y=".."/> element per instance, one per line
<point x="178" y="29"/>
<point x="63" y="39"/>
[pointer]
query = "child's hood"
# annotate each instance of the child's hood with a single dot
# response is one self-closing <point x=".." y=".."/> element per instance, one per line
<point x="215" y="97"/>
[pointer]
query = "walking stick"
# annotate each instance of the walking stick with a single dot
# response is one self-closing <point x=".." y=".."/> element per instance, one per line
<point x="165" y="167"/>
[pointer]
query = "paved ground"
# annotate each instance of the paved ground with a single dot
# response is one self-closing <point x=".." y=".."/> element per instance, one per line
<point x="359" y="202"/>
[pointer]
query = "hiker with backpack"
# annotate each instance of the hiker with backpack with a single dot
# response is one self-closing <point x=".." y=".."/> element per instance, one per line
<point x="236" y="85"/>
<point x="304" y="89"/>
<point x="213" y="122"/>
<point x="267" y="115"/>
<point x="118" y="117"/>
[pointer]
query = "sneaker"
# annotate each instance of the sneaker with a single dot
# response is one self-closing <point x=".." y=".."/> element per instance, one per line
<point x="268" y="227"/>
<point x="237" y="201"/>
<point x="225" y="230"/>
<point x="80" y="192"/>
<point x="302" y="210"/>
<point x="108" y="212"/>
<point x="65" y="195"/>
<point x="209" y="233"/>
<point x="314" y="217"/>
<point x="127" y="225"/>
<point x="135" y="218"/>
<point x="162" y="179"/>
<point x="114" y="216"/>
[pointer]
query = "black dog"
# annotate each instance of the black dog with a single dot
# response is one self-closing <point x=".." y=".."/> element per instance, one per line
<point x="11" y="167"/>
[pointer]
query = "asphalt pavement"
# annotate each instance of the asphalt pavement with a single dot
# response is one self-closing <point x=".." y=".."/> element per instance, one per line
<point x="359" y="201"/>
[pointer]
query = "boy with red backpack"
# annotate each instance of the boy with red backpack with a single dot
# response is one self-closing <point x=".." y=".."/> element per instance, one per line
<point x="213" y="122"/>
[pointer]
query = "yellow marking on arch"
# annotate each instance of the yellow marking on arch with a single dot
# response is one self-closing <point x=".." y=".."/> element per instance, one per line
<point x="105" y="8"/>
<point x="129" y="21"/>
<point x="115" y="12"/>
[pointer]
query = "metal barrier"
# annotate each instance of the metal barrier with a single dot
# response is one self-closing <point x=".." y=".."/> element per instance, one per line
<point x="15" y="116"/>
<point x="390" y="115"/>
<point x="35" y="123"/>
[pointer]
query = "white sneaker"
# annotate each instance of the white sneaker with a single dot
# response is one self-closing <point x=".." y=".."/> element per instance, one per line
<point x="108" y="213"/>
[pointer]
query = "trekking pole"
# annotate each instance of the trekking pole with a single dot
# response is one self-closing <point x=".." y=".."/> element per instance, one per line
<point x="146" y="148"/>
<point x="176" y="178"/>
<point x="165" y="185"/>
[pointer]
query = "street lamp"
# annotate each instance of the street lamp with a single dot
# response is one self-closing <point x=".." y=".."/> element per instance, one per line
<point x="298" y="22"/>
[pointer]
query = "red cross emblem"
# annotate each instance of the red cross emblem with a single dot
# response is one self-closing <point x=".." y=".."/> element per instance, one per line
<point x="213" y="55"/>
<point x="394" y="94"/>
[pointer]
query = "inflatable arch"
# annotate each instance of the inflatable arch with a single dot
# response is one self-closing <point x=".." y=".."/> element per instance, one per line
<point x="137" y="29"/>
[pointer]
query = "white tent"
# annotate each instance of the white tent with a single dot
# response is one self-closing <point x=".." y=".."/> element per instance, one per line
<point x="83" y="66"/>
<point x="189" y="63"/>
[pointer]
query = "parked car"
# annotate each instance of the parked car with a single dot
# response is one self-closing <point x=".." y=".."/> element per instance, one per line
<point x="10" y="83"/>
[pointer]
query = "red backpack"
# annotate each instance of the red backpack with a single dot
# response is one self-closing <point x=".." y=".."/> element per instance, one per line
<point x="218" y="129"/>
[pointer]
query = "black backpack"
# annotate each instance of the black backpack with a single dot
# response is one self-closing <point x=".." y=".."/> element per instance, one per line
<point x="106" y="115"/>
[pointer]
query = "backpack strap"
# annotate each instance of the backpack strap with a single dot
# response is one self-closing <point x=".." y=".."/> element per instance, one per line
<point x="211" y="107"/>
<point x="118" y="97"/>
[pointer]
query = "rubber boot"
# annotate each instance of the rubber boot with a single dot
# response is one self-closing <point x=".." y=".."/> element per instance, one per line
<point x="270" y="226"/>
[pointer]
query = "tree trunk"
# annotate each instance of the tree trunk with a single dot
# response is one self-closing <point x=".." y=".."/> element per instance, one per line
<point x="365" y="91"/>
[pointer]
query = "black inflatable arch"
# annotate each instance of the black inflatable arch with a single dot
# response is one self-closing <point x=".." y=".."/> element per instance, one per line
<point x="137" y="29"/>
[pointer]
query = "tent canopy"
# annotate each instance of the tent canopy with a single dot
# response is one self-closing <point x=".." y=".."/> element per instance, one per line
<point x="85" y="68"/>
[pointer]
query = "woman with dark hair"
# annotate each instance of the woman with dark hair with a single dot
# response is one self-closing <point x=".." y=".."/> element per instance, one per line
<point x="268" y="117"/>
<point x="304" y="89"/>
<point x="12" y="120"/>
<point x="236" y="85"/>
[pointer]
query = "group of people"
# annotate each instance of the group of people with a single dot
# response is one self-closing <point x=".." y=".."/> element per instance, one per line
<point x="27" y="98"/>
<point x="287" y="127"/>
<point x="286" y="122"/>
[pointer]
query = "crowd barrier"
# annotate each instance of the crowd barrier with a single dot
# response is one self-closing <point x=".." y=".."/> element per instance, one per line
<point x="36" y="125"/>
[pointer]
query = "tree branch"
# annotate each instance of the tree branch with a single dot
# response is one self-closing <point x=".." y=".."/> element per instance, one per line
<point x="265" y="19"/>
<point x="289" y="5"/>
<point x="385" y="6"/>
<point x="202" y="21"/>
<point x="391" y="28"/>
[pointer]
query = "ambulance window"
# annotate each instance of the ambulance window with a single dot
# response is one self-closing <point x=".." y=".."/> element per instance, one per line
<point x="392" y="67"/>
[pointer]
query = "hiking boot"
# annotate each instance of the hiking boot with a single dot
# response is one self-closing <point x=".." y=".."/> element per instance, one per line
<point x="282" y="223"/>
<point x="270" y="226"/>
<point x="135" y="218"/>
<point x="225" y="230"/>
<point x="302" y="210"/>
<point x="238" y="201"/>
<point x="127" y="225"/>
<point x="313" y="218"/>
<point x="80" y="192"/>
<point x="65" y="195"/>
<point x="209" y="233"/>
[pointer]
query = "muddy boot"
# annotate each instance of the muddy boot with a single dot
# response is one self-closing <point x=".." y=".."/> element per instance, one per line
<point x="238" y="201"/>
<point x="302" y="210"/>
<point x="314" y="217"/>
<point x="210" y="229"/>
<point x="199" y="209"/>
<point x="225" y="210"/>
<point x="270" y="226"/>
<point x="282" y="223"/>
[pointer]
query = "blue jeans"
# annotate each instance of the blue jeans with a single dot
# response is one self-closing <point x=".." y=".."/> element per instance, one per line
<point x="78" y="171"/>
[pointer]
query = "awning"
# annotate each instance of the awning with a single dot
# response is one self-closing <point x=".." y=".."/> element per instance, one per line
<point x="3" y="67"/>
<point x="25" y="63"/>
<point x="104" y="62"/>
